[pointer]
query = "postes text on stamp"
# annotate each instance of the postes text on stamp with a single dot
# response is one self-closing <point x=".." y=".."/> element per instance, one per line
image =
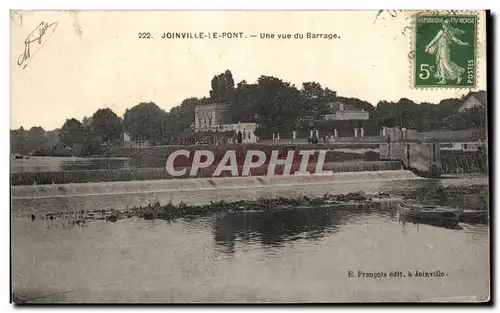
<point x="445" y="51"/>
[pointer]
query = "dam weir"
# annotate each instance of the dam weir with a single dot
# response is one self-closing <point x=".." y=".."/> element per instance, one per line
<point x="126" y="188"/>
<point x="369" y="177"/>
<point x="161" y="173"/>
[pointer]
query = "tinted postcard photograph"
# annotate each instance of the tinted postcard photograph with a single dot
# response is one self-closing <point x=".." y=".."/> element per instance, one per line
<point x="249" y="157"/>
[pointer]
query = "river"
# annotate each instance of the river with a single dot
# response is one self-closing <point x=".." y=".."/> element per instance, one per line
<point x="47" y="164"/>
<point x="284" y="256"/>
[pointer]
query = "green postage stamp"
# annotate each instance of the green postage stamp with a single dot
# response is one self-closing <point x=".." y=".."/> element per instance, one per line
<point x="445" y="51"/>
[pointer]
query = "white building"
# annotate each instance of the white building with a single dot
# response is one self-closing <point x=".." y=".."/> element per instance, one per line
<point x="125" y="139"/>
<point x="214" y="118"/>
<point x="247" y="131"/>
<point x="342" y="112"/>
<point x="127" y="142"/>
<point x="208" y="117"/>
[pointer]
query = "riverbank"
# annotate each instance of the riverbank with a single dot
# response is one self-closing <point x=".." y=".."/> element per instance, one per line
<point x="170" y="212"/>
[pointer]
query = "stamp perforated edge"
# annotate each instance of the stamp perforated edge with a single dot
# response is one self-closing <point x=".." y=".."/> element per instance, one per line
<point x="411" y="77"/>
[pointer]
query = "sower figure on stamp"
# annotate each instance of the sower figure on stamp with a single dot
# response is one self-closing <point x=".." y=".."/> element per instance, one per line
<point x="440" y="46"/>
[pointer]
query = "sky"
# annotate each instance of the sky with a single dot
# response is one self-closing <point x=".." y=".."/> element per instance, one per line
<point x="94" y="59"/>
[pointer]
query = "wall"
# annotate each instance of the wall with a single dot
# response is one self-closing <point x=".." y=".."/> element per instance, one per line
<point x="367" y="139"/>
<point x="397" y="133"/>
<point x="435" y="135"/>
<point x="211" y="115"/>
<point x="423" y="158"/>
<point x="347" y="115"/>
<point x="247" y="130"/>
<point x="451" y="135"/>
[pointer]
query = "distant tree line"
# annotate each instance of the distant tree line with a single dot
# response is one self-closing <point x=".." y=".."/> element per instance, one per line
<point x="275" y="105"/>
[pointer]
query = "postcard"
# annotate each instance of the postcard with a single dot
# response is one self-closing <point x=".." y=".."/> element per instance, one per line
<point x="249" y="157"/>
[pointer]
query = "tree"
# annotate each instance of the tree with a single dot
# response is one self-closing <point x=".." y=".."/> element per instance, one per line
<point x="330" y="95"/>
<point x="277" y="105"/>
<point x="107" y="125"/>
<point x="313" y="99"/>
<point x="180" y="118"/>
<point x="145" y="121"/>
<point x="71" y="133"/>
<point x="222" y="87"/>
<point x="476" y="117"/>
<point x="408" y="112"/>
<point x="52" y="137"/>
<point x="86" y="121"/>
<point x="18" y="140"/>
<point x="455" y="122"/>
<point x="426" y="120"/>
<point x="36" y="139"/>
<point x="242" y="108"/>
<point x="387" y="114"/>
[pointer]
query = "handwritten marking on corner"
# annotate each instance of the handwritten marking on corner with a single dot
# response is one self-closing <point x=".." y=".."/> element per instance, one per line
<point x="35" y="41"/>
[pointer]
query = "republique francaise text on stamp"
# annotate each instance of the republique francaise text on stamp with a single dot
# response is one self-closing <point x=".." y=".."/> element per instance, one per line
<point x="445" y="51"/>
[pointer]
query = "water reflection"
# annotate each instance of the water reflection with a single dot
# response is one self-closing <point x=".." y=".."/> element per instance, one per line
<point x="291" y="256"/>
<point x="276" y="228"/>
<point x="479" y="232"/>
<point x="436" y="223"/>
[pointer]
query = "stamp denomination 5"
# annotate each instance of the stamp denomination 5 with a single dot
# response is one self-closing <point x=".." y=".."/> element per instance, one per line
<point x="445" y="51"/>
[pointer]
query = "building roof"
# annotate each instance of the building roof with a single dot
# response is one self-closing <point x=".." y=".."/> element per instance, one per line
<point x="218" y="105"/>
<point x="481" y="96"/>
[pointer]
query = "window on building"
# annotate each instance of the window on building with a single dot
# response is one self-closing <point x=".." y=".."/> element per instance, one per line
<point x="248" y="135"/>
